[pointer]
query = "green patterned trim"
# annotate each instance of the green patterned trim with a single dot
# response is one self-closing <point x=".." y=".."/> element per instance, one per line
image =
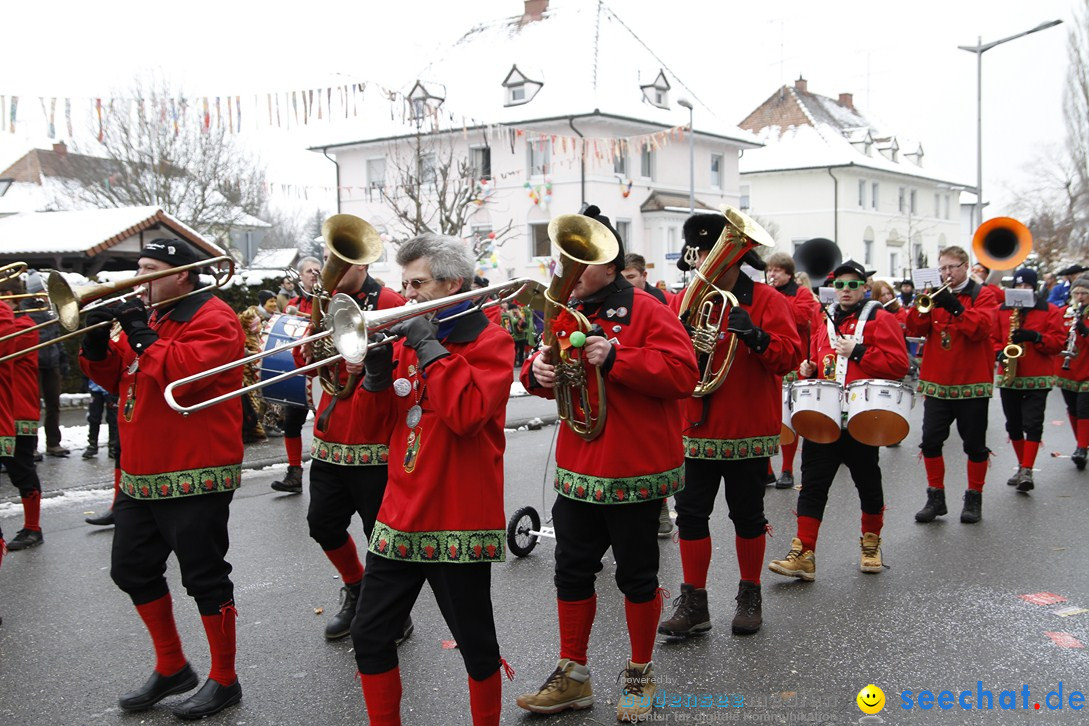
<point x="174" y="484"/>
<point x="967" y="390"/>
<point x="601" y="490"/>
<point x="350" y="454"/>
<point x="1030" y="383"/>
<point x="26" y="428"/>
<point x="458" y="546"/>
<point x="7" y="445"/>
<point x="790" y="377"/>
<point x="1068" y="385"/>
<point x="754" y="447"/>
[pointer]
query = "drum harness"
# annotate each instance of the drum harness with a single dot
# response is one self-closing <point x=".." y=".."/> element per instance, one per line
<point x="841" y="360"/>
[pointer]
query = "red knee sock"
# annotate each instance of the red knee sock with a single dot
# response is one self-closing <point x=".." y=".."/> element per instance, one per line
<point x="771" y="471"/>
<point x="220" y="630"/>
<point x="32" y="511"/>
<point x="977" y="475"/>
<point x="293" y="444"/>
<point x="788" y="451"/>
<point x="576" y="620"/>
<point x="873" y="523"/>
<point x="346" y="559"/>
<point x="807" y="532"/>
<point x="1019" y="449"/>
<point x="382" y="694"/>
<point x="3" y="549"/>
<point x="1083" y="433"/>
<point x="1028" y="458"/>
<point x="1073" y="421"/>
<point x="935" y="471"/>
<point x="643" y="620"/>
<point x="486" y="699"/>
<point x="695" y="561"/>
<point x="158" y="617"/>
<point x="750" y="557"/>
<point x="116" y="485"/>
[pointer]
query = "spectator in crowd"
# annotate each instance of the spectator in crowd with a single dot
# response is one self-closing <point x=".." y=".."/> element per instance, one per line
<point x="52" y="365"/>
<point x="287" y="293"/>
<point x="1060" y="294"/>
<point x="907" y="292"/>
<point x="103" y="404"/>
<point x="267" y="304"/>
<point x="253" y="404"/>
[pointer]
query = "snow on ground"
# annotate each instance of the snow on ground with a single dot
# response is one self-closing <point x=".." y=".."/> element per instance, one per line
<point x="10" y="509"/>
<point x="517" y="389"/>
<point x="74" y="438"/>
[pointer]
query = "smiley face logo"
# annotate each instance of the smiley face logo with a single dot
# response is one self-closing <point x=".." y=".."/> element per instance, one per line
<point x="870" y="699"/>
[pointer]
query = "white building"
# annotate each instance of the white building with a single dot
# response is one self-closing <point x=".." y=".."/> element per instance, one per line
<point x="547" y="110"/>
<point x="827" y="171"/>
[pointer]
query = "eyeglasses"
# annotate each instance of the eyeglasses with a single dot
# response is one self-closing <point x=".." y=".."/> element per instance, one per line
<point x="416" y="283"/>
<point x="850" y="284"/>
<point x="950" y="268"/>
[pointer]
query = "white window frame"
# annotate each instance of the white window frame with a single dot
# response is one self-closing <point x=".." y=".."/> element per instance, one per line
<point x="534" y="147"/>
<point x="716" y="175"/>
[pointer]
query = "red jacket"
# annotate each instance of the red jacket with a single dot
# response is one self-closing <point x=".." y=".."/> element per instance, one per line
<point x="1036" y="368"/>
<point x="444" y="495"/>
<point x="958" y="358"/>
<point x="1076" y="377"/>
<point x="742" y="419"/>
<point x="351" y="437"/>
<point x="7" y="420"/>
<point x="165" y="455"/>
<point x="303" y="303"/>
<point x="807" y="316"/>
<point x="27" y="404"/>
<point x="882" y="354"/>
<point x="639" y="455"/>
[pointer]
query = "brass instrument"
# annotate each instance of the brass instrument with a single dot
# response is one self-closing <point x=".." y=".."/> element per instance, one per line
<point x="924" y="301"/>
<point x="1008" y="367"/>
<point x="68" y="302"/>
<point x="350" y="241"/>
<point x="351" y="330"/>
<point x="1002" y="243"/>
<point x="11" y="271"/>
<point x="26" y="296"/>
<point x="705" y="306"/>
<point x="582" y="241"/>
<point x="817" y="258"/>
<point x="1075" y="314"/>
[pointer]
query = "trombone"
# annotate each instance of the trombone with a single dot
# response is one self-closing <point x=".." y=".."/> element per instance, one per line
<point x="68" y="302"/>
<point x="351" y="329"/>
<point x="12" y="270"/>
<point x="26" y="296"/>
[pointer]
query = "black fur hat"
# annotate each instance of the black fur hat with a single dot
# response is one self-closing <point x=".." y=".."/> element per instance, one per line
<point x="594" y="212"/>
<point x="701" y="232"/>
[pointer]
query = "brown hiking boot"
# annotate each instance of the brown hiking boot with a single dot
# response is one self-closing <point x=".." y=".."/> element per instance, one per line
<point x="690" y="616"/>
<point x="637" y="701"/>
<point x="567" y="687"/>
<point x="871" y="553"/>
<point x="748" y="618"/>
<point x="797" y="563"/>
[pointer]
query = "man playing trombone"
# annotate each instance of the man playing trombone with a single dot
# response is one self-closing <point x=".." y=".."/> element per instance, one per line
<point x="445" y="387"/>
<point x="178" y="474"/>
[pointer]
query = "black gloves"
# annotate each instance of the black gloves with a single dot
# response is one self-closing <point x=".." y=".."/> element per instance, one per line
<point x="419" y="334"/>
<point x="857" y="353"/>
<point x="1022" y="335"/>
<point x="133" y="318"/>
<point x="96" y="342"/>
<point x="741" y="325"/>
<point x="946" y="299"/>
<point x="1083" y="329"/>
<point x="379" y="368"/>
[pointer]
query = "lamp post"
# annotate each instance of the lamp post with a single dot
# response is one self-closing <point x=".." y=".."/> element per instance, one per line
<point x="685" y="103"/>
<point x="979" y="49"/>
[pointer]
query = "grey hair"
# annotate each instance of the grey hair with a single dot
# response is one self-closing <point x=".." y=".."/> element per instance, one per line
<point x="448" y="257"/>
<point x="302" y="263"/>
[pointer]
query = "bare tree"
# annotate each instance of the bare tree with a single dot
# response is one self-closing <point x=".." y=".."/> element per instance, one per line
<point x="431" y="189"/>
<point x="157" y="150"/>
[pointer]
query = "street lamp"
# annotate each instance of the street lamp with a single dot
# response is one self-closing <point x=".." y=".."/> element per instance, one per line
<point x="685" y="103"/>
<point x="979" y="49"/>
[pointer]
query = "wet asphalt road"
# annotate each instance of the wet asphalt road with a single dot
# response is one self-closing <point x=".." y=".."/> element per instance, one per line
<point x="946" y="614"/>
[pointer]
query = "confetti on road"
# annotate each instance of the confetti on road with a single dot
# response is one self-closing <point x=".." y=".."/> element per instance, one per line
<point x="1043" y="598"/>
<point x="1068" y="611"/>
<point x="1064" y="640"/>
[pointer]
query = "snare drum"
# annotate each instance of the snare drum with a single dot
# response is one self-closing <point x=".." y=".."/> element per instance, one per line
<point x="817" y="410"/>
<point x="283" y="330"/>
<point x="877" y="411"/>
<point x="786" y="431"/>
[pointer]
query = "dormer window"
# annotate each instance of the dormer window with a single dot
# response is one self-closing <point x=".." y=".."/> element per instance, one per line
<point x="520" y="89"/>
<point x="657" y="93"/>
<point x="422" y="102"/>
<point x="916" y="156"/>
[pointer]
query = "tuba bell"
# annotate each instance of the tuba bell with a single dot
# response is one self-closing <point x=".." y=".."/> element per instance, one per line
<point x="705" y="306"/>
<point x="1002" y="243"/>
<point x="582" y="241"/>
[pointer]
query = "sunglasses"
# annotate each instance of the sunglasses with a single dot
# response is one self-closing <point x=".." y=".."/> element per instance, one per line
<point x="416" y="283"/>
<point x="849" y="284"/>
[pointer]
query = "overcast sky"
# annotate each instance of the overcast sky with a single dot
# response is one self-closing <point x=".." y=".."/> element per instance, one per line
<point x="899" y="59"/>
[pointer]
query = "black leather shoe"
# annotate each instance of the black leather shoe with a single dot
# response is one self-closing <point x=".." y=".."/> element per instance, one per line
<point x="25" y="539"/>
<point x="159" y="687"/>
<point x="104" y="521"/>
<point x="785" y="481"/>
<point x="211" y="698"/>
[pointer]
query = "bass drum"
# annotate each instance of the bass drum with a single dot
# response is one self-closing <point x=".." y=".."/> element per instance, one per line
<point x="283" y="330"/>
<point x="787" y="436"/>
<point x="877" y="411"/>
<point x="817" y="410"/>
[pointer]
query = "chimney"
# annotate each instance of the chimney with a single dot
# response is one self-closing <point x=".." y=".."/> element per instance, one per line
<point x="801" y="85"/>
<point x="534" y="10"/>
<point x="847" y="100"/>
<point x="60" y="149"/>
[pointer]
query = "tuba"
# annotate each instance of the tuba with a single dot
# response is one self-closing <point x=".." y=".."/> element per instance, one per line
<point x="582" y="241"/>
<point x="705" y="306"/>
<point x="1001" y="243"/>
<point x="350" y="241"/>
